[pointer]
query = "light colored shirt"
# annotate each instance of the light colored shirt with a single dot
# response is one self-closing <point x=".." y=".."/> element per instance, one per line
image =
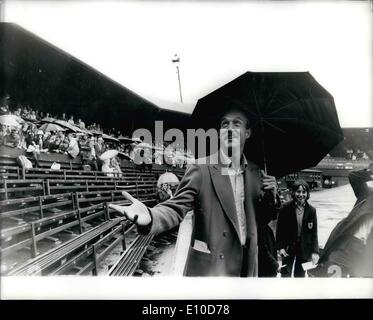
<point x="236" y="177"/>
<point x="299" y="209"/>
<point x="73" y="148"/>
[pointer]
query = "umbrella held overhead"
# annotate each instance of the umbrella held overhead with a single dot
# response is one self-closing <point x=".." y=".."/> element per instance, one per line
<point x="293" y="119"/>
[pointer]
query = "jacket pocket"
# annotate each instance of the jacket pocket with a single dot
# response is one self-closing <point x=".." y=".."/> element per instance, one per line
<point x="198" y="263"/>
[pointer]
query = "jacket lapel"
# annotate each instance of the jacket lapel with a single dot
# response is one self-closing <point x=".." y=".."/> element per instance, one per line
<point x="223" y="188"/>
<point x="305" y="217"/>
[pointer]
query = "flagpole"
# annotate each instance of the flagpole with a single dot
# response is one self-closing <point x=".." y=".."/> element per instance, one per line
<point x="176" y="60"/>
<point x="178" y="77"/>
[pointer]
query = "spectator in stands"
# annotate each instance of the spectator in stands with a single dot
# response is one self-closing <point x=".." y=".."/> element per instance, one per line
<point x="32" y="115"/>
<point x="49" y="140"/>
<point x="99" y="146"/>
<point x="35" y="146"/>
<point x="64" y="143"/>
<point x="47" y="117"/>
<point x="39" y="139"/>
<point x="106" y="168"/>
<point x="63" y="117"/>
<point x="115" y="164"/>
<point x="73" y="147"/>
<point x="89" y="156"/>
<point x="98" y="150"/>
<point x="18" y="112"/>
<point x="4" y="108"/>
<point x="55" y="141"/>
<point x="12" y="139"/>
<point x="164" y="193"/>
<point x="71" y="120"/>
<point x="296" y="234"/>
<point x="81" y="124"/>
<point x="28" y="137"/>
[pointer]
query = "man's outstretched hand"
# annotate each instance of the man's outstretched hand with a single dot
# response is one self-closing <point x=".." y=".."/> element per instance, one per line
<point x="136" y="212"/>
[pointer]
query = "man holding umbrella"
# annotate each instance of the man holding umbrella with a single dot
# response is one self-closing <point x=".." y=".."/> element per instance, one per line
<point x="229" y="198"/>
<point x="282" y="122"/>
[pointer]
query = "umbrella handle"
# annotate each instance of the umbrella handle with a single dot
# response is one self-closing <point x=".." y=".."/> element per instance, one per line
<point x="263" y="147"/>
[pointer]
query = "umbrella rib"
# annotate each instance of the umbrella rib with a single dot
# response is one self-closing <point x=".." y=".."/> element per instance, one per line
<point x="315" y="124"/>
<point x="290" y="104"/>
<point x="273" y="126"/>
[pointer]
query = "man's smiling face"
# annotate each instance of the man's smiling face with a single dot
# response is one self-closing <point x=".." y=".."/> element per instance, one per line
<point x="234" y="130"/>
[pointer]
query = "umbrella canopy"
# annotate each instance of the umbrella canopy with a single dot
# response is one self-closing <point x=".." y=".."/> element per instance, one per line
<point x="293" y="119"/>
<point x="48" y="119"/>
<point x="169" y="178"/>
<point x="125" y="139"/>
<point x="109" y="138"/>
<point x="46" y="127"/>
<point x="70" y="126"/>
<point x="96" y="132"/>
<point x="11" y="120"/>
<point x="109" y="154"/>
<point x="129" y="140"/>
<point x="67" y="125"/>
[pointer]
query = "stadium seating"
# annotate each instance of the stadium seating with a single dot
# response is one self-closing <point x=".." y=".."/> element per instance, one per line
<point x="39" y="205"/>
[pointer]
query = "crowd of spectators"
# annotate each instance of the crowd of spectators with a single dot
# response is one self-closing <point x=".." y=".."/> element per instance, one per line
<point x="33" y="136"/>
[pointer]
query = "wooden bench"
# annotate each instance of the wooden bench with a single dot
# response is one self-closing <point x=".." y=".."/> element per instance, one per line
<point x="35" y="205"/>
<point x="10" y="172"/>
<point x="82" y="210"/>
<point x="11" y="189"/>
<point x="60" y="186"/>
<point x="46" y="263"/>
<point x="130" y="259"/>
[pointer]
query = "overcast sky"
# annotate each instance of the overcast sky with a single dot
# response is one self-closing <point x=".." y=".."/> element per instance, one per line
<point x="133" y="43"/>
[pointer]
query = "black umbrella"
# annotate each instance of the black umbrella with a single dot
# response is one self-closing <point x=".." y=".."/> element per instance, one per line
<point x="293" y="119"/>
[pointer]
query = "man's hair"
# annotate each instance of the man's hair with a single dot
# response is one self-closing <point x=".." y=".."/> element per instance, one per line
<point x="238" y="108"/>
<point x="297" y="184"/>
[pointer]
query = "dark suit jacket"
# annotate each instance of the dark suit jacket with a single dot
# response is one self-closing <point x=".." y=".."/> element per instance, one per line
<point x="208" y="192"/>
<point x="287" y="229"/>
<point x="362" y="210"/>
